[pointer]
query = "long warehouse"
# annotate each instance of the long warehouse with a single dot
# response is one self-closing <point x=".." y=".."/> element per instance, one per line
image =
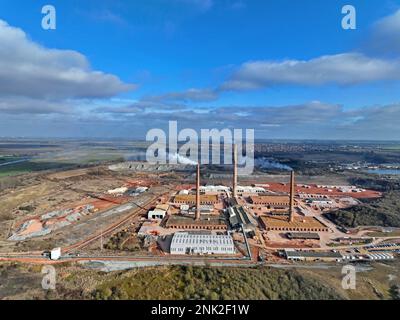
<point x="201" y="243"/>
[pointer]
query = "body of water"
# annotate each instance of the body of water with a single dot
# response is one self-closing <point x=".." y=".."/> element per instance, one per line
<point x="13" y="162"/>
<point x="384" y="171"/>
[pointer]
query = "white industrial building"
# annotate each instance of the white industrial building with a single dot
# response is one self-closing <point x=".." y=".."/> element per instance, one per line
<point x="312" y="196"/>
<point x="323" y="203"/>
<point x="118" y="191"/>
<point x="156" y="214"/>
<point x="141" y="189"/>
<point x="250" y="190"/>
<point x="223" y="189"/>
<point x="201" y="243"/>
<point x="159" y="212"/>
<point x="55" y="254"/>
<point x="184" y="207"/>
<point x="204" y="209"/>
<point x="214" y="189"/>
<point x="345" y="189"/>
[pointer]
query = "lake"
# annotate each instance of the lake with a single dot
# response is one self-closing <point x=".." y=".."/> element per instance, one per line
<point x="384" y="171"/>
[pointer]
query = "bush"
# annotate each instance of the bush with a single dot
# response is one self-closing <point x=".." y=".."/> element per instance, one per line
<point x="215" y="283"/>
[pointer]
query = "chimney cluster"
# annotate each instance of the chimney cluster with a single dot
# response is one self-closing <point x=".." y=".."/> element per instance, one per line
<point x="234" y="187"/>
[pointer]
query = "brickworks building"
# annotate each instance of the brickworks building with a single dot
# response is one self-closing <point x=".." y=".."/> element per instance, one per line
<point x="299" y="224"/>
<point x="270" y="200"/>
<point x="182" y="222"/>
<point x="191" y="199"/>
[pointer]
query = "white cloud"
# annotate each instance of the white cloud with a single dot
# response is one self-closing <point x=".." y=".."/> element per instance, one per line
<point x="341" y="69"/>
<point x="30" y="70"/>
<point x="25" y="105"/>
<point x="386" y="34"/>
<point x="313" y="120"/>
<point x="390" y="23"/>
<point x="192" y="94"/>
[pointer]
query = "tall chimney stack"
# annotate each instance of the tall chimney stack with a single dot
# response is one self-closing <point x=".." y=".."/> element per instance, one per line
<point x="235" y="160"/>
<point x="291" y="201"/>
<point x="198" y="192"/>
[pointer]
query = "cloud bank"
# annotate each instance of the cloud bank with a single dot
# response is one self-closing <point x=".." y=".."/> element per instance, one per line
<point x="340" y="69"/>
<point x="32" y="71"/>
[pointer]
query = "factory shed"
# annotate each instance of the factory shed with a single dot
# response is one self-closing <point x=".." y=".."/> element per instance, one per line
<point x="185" y="222"/>
<point x="294" y="255"/>
<point x="273" y="200"/>
<point x="250" y="190"/>
<point x="239" y="217"/>
<point x="299" y="224"/>
<point x="204" y="209"/>
<point x="164" y="207"/>
<point x="231" y="202"/>
<point x="191" y="199"/>
<point x="303" y="236"/>
<point x="213" y="189"/>
<point x="159" y="212"/>
<point x="156" y="214"/>
<point x="201" y="243"/>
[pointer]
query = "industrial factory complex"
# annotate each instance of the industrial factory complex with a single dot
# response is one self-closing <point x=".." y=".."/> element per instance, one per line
<point x="249" y="223"/>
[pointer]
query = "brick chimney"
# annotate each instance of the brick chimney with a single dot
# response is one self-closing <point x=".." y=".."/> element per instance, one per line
<point x="198" y="192"/>
<point x="291" y="201"/>
<point x="234" y="182"/>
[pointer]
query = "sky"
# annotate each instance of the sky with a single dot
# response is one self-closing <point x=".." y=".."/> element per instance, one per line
<point x="286" y="69"/>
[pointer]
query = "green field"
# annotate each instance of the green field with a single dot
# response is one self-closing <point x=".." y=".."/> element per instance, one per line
<point x="58" y="163"/>
<point x="26" y="167"/>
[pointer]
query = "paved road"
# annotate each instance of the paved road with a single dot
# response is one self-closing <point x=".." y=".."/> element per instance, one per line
<point x="161" y="260"/>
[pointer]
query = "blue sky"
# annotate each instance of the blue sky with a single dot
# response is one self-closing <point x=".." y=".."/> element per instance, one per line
<point x="285" y="68"/>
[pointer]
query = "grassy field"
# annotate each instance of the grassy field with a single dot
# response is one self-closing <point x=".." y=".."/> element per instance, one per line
<point x="374" y="283"/>
<point x="27" y="167"/>
<point x="383" y="234"/>
<point x="163" y="283"/>
<point x="214" y="284"/>
<point x="58" y="161"/>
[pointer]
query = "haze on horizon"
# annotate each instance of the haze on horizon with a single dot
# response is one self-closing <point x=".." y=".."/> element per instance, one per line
<point x="120" y="68"/>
